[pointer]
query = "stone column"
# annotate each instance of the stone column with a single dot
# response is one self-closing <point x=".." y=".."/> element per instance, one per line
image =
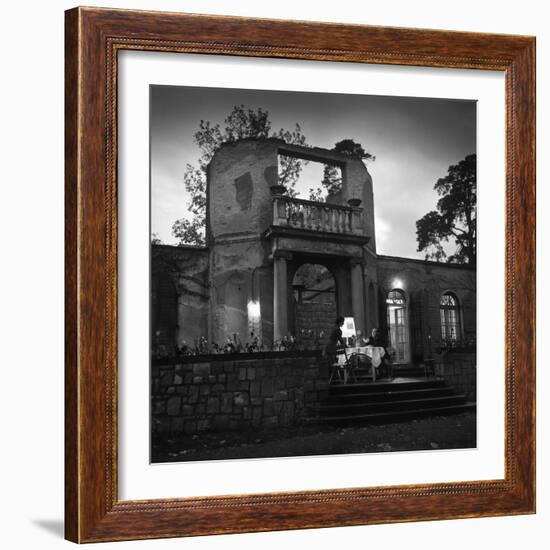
<point x="280" y="297"/>
<point x="357" y="294"/>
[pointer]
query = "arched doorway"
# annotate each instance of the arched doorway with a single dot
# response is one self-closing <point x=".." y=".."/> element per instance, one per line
<point x="315" y="309"/>
<point x="398" y="325"/>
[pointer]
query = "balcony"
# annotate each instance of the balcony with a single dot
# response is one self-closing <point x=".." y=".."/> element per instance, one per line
<point x="317" y="216"/>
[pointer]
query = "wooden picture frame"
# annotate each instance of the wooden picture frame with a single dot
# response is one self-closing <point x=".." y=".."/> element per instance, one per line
<point x="93" y="39"/>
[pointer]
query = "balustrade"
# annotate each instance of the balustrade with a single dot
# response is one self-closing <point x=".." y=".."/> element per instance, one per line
<point x="316" y="216"/>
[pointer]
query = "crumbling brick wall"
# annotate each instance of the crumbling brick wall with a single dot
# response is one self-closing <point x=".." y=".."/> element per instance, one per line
<point x="314" y="322"/>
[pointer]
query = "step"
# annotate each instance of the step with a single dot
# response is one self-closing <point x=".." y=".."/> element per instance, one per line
<point x="396" y="385"/>
<point x="396" y="416"/>
<point x="375" y="397"/>
<point x="409" y="372"/>
<point x="352" y="409"/>
<point x="397" y="371"/>
<point x="364" y="378"/>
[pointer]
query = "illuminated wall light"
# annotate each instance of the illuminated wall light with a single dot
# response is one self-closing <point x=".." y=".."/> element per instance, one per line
<point x="254" y="320"/>
<point x="253" y="310"/>
<point x="397" y="283"/>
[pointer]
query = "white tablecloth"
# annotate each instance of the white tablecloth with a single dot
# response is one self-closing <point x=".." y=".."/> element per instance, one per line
<point x="376" y="353"/>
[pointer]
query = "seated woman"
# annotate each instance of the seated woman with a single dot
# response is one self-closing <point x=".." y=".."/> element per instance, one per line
<point x="374" y="339"/>
<point x="381" y="355"/>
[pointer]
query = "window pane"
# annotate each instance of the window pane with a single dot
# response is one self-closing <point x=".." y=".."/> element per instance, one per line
<point x="450" y="323"/>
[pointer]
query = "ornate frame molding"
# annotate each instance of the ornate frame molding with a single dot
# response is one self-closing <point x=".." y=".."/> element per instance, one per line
<point x="93" y="38"/>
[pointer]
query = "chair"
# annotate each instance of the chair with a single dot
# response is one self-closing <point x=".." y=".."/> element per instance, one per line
<point x="340" y="369"/>
<point x="335" y="373"/>
<point x="359" y="359"/>
<point x="429" y="367"/>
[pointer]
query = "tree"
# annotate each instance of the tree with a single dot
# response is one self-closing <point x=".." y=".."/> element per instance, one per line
<point x="240" y="123"/>
<point x="350" y="148"/>
<point x="455" y="217"/>
<point x="332" y="176"/>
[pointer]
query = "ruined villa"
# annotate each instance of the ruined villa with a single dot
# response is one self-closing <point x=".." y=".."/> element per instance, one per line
<point x="250" y="276"/>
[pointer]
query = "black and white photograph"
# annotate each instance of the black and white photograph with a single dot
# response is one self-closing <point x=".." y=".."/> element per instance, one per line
<point x="312" y="273"/>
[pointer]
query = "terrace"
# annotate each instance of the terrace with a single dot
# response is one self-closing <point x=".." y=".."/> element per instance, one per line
<point x="317" y="216"/>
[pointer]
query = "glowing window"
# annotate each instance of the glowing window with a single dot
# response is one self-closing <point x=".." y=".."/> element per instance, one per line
<point x="398" y="325"/>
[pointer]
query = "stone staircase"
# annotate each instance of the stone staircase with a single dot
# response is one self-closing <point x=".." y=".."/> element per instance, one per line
<point x="387" y="401"/>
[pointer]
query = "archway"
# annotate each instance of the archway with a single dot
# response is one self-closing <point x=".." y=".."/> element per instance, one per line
<point x="398" y="325"/>
<point x="315" y="308"/>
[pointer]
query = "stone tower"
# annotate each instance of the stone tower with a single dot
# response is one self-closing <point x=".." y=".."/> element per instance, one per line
<point x="257" y="237"/>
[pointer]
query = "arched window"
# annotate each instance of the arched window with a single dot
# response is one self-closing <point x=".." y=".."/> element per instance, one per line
<point x="398" y="325"/>
<point x="450" y="320"/>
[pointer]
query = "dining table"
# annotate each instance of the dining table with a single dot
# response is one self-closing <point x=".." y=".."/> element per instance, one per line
<point x="375" y="353"/>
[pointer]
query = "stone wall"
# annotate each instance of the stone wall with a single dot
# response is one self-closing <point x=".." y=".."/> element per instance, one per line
<point x="194" y="395"/>
<point x="459" y="370"/>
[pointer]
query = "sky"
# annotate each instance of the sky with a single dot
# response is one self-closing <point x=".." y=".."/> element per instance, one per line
<point x="414" y="140"/>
